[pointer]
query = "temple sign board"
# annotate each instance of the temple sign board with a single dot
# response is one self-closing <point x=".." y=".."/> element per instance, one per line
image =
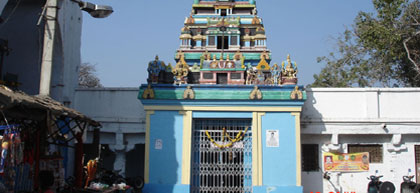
<point x="272" y="138"/>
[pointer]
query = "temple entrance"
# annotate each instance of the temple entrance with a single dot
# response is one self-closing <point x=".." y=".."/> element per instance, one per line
<point x="222" y="156"/>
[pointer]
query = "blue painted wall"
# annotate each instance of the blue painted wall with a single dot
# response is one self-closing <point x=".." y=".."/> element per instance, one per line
<point x="166" y="164"/>
<point x="279" y="163"/>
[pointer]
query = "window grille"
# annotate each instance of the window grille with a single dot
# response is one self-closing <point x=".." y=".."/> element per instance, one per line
<point x="222" y="78"/>
<point x="310" y="157"/>
<point x="375" y="151"/>
<point x="208" y="75"/>
<point x="234" y="40"/>
<point x="212" y="40"/>
<point x="235" y="76"/>
<point x="222" y="42"/>
<point x="417" y="147"/>
<point x="195" y="77"/>
<point x="216" y="169"/>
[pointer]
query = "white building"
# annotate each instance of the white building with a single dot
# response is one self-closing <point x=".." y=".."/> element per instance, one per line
<point x="384" y="121"/>
<point x="123" y="119"/>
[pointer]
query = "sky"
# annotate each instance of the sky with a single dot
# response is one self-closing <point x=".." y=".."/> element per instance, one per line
<point x="121" y="45"/>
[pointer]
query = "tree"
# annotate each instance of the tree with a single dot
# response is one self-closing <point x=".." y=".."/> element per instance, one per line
<point x="380" y="49"/>
<point x="87" y="76"/>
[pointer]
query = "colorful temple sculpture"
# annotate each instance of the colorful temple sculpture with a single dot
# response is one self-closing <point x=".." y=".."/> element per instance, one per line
<point x="223" y="119"/>
<point x="223" y="42"/>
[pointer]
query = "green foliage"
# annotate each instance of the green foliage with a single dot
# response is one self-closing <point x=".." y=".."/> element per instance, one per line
<point x="373" y="52"/>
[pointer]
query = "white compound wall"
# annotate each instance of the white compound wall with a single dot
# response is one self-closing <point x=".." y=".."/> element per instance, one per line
<point x="334" y="118"/>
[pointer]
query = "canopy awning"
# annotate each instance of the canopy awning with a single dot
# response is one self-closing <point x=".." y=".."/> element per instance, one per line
<point x="16" y="104"/>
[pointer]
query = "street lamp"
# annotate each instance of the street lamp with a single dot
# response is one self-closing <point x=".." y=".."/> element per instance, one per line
<point x="50" y="12"/>
<point x="96" y="11"/>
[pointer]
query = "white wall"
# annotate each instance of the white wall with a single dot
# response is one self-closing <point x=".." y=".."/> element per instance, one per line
<point x="367" y="104"/>
<point x="123" y="119"/>
<point x="333" y="118"/>
<point x="67" y="55"/>
<point x="118" y="110"/>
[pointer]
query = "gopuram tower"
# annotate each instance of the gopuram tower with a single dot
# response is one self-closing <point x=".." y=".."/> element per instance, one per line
<point x="223" y="118"/>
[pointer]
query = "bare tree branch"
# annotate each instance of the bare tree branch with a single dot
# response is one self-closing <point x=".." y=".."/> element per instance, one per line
<point x="416" y="65"/>
<point x="87" y="76"/>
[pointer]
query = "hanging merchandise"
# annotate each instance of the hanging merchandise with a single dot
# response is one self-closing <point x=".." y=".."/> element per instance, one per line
<point x="18" y="148"/>
<point x="8" y="159"/>
<point x="15" y="167"/>
<point x="24" y="166"/>
<point x="91" y="171"/>
<point x="4" y="151"/>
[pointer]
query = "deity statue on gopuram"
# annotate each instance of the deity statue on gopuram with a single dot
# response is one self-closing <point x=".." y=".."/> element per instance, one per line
<point x="289" y="72"/>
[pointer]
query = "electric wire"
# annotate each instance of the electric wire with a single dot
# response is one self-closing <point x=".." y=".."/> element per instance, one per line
<point x="11" y="14"/>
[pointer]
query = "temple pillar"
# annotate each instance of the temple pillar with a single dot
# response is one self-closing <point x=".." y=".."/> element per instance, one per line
<point x="120" y="151"/>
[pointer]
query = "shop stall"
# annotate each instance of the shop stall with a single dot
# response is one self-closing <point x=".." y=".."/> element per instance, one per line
<point x="40" y="139"/>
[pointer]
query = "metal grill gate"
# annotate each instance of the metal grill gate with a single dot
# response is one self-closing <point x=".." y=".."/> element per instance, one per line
<point x="221" y="170"/>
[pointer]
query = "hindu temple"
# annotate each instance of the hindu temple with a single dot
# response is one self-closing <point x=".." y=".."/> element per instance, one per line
<point x="224" y="118"/>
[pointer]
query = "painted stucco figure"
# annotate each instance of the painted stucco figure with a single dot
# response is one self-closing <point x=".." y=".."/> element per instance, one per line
<point x="289" y="72"/>
<point x="155" y="67"/>
<point x="221" y="42"/>
<point x="181" y="72"/>
<point x="275" y="74"/>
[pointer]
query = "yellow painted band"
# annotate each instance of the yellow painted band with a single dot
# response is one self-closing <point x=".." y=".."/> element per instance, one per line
<point x="260" y="165"/>
<point x="147" y="147"/>
<point x="186" y="147"/>
<point x="223" y="7"/>
<point x="255" y="144"/>
<point x="257" y="149"/>
<point x="298" y="150"/>
<point x="219" y="108"/>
